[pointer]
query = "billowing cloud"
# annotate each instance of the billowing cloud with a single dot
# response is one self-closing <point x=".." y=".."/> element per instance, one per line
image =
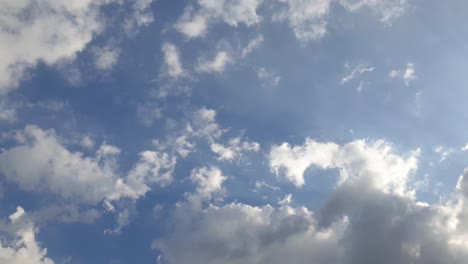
<point x="359" y="222"/>
<point x="23" y="247"/>
<point x="53" y="31"/>
<point x="372" y="161"/>
<point x="41" y="163"/>
<point x="196" y="20"/>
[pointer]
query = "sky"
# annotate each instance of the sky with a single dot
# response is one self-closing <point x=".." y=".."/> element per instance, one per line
<point x="233" y="131"/>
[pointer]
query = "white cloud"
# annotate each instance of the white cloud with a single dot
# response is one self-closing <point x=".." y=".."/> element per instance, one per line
<point x="105" y="57"/>
<point x="295" y="160"/>
<point x="347" y="228"/>
<point x="172" y="64"/>
<point x="23" y="248"/>
<point x="465" y="148"/>
<point x="216" y="65"/>
<point x="356" y="72"/>
<point x="357" y="161"/>
<point x="54" y="30"/>
<point x="203" y="124"/>
<point x="140" y="16"/>
<point x="196" y="20"/>
<point x="7" y="113"/>
<point x="148" y="113"/>
<point x="41" y="163"/>
<point x="17" y="215"/>
<point x="268" y="78"/>
<point x="407" y="75"/>
<point x="308" y="19"/>
<point x="443" y="152"/>
<point x="87" y="142"/>
<point x="388" y="10"/>
<point x="153" y="167"/>
<point x="252" y="45"/>
<point x="234" y="148"/>
<point x="209" y="182"/>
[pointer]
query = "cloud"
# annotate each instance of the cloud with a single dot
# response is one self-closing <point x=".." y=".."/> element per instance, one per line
<point x="215" y="65"/>
<point x="54" y="30"/>
<point x="252" y="45"/>
<point x="443" y="152"/>
<point x="308" y="19"/>
<point x="41" y="163"/>
<point x="140" y="16"/>
<point x="347" y="228"/>
<point x="106" y="57"/>
<point x="407" y="74"/>
<point x="268" y="78"/>
<point x="356" y="72"/>
<point x="209" y="183"/>
<point x="234" y="148"/>
<point x="23" y="247"/>
<point x="388" y="10"/>
<point x="148" y="113"/>
<point x="195" y="21"/>
<point x="357" y="159"/>
<point x="172" y="64"/>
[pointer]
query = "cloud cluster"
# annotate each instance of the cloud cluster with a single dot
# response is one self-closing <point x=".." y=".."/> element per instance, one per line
<point x="42" y="163"/>
<point x="363" y="220"/>
<point x="22" y="247"/>
<point x="308" y="19"/>
<point x="196" y="19"/>
<point x="47" y="31"/>
<point x="53" y="31"/>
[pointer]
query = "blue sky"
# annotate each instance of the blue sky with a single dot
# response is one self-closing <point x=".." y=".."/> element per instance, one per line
<point x="233" y="131"/>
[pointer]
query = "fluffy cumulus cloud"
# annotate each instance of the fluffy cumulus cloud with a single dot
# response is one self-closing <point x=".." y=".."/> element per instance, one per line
<point x="23" y="247"/>
<point x="373" y="161"/>
<point x="51" y="31"/>
<point x="234" y="148"/>
<point x="42" y="163"/>
<point x="196" y="19"/>
<point x="172" y="63"/>
<point x="360" y="222"/>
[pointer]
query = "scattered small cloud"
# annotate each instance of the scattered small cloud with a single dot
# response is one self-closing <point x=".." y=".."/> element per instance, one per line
<point x="268" y="78"/>
<point x="216" y="65"/>
<point x="252" y="45"/>
<point x="407" y="74"/>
